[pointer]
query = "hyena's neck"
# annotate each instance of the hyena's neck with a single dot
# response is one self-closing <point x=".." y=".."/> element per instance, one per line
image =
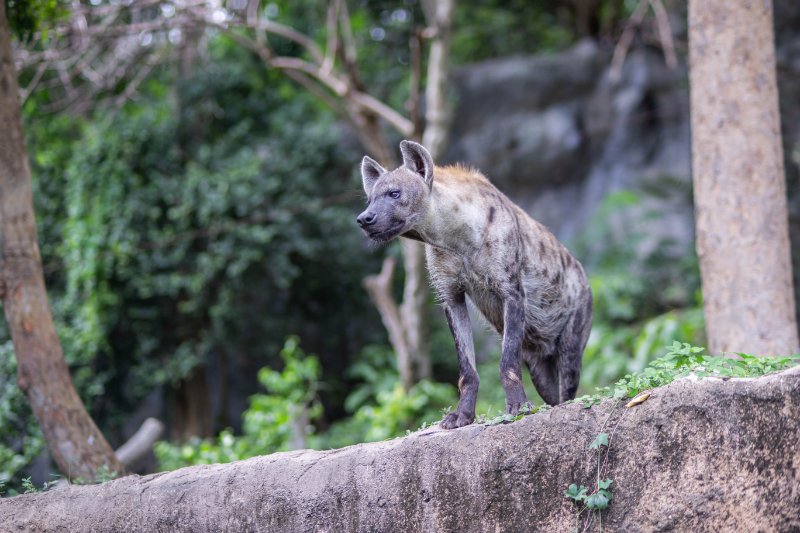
<point x="455" y="217"/>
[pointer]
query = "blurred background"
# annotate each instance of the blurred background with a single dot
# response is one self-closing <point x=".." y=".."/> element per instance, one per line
<point x="196" y="207"/>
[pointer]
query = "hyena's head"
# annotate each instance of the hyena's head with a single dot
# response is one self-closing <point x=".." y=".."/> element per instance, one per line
<point x="397" y="199"/>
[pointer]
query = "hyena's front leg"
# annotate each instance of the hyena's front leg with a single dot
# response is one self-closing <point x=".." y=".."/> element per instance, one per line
<point x="510" y="368"/>
<point x="455" y="309"/>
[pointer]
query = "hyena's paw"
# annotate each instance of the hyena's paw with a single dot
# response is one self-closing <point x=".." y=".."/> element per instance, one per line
<point x="515" y="408"/>
<point x="457" y="420"/>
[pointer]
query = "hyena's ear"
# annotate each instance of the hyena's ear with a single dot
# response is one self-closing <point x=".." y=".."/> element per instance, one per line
<point x="371" y="170"/>
<point x="417" y="159"/>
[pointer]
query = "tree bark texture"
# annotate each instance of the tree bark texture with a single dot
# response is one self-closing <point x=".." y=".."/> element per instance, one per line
<point x="191" y="413"/>
<point x="75" y="442"/>
<point x="711" y="455"/>
<point x="739" y="180"/>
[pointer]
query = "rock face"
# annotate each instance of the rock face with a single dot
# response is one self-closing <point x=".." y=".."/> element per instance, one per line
<point x="558" y="135"/>
<point x="711" y="455"/>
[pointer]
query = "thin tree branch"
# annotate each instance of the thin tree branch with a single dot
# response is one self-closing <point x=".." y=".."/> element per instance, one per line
<point x="665" y="33"/>
<point x="415" y="49"/>
<point x="395" y="119"/>
<point x="379" y="289"/>
<point x="347" y="35"/>
<point x="333" y="38"/>
<point x="624" y="44"/>
<point x="133" y="85"/>
<point x="289" y="33"/>
<point x="26" y="92"/>
<point x="329" y="79"/>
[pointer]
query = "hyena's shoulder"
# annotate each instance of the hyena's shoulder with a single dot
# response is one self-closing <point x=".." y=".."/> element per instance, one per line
<point x="472" y="196"/>
<point x="461" y="177"/>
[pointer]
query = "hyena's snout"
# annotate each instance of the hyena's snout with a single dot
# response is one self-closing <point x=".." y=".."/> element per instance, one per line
<point x="366" y="219"/>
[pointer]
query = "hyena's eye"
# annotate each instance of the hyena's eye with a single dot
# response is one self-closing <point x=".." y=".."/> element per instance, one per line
<point x="394" y="194"/>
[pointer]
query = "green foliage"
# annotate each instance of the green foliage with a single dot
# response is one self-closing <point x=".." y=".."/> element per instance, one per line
<point x="381" y="409"/>
<point x="504" y="418"/>
<point x="483" y="30"/>
<point x="378" y="408"/>
<point x="599" y="441"/>
<point x="682" y="360"/>
<point x="171" y="248"/>
<point x="494" y="28"/>
<point x="105" y="474"/>
<point x="29" y="16"/>
<point x="204" y="222"/>
<point x="28" y="487"/>
<point x="394" y="413"/>
<point x="593" y="501"/>
<point x="614" y="349"/>
<point x="374" y="372"/>
<point x="21" y="438"/>
<point x="645" y="293"/>
<point x="271" y="421"/>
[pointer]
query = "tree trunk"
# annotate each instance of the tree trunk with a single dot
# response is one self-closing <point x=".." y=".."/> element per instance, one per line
<point x="76" y="444"/>
<point x="190" y="406"/>
<point x="739" y="180"/>
<point x="696" y="456"/>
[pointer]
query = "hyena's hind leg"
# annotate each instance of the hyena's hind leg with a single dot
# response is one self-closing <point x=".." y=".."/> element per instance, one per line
<point x="569" y="350"/>
<point x="544" y="375"/>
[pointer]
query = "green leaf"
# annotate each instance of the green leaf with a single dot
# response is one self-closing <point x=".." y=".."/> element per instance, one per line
<point x="597" y="501"/>
<point x="605" y="483"/>
<point x="600" y="440"/>
<point x="576" y="493"/>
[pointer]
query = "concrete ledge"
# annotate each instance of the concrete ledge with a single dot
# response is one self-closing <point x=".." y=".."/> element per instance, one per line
<point x="708" y="455"/>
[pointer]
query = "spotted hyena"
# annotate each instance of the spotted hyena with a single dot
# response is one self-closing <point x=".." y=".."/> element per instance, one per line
<point x="480" y="245"/>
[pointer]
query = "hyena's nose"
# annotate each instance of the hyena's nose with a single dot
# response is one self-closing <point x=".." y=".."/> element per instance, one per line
<point x="367" y="218"/>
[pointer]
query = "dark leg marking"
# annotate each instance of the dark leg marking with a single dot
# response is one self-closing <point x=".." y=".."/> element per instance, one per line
<point x="455" y="309"/>
<point x="510" y="368"/>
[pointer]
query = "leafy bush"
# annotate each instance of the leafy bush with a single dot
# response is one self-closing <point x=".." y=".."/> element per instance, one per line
<point x="645" y="294"/>
<point x="682" y="360"/>
<point x="271" y="421"/>
<point x="21" y="438"/>
<point x="394" y="413"/>
<point x="617" y="349"/>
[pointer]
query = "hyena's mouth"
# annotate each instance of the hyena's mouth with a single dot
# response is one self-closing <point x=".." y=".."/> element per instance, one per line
<point x="389" y="234"/>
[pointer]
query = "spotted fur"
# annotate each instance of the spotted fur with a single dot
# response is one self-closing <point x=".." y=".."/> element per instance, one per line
<point x="482" y="246"/>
